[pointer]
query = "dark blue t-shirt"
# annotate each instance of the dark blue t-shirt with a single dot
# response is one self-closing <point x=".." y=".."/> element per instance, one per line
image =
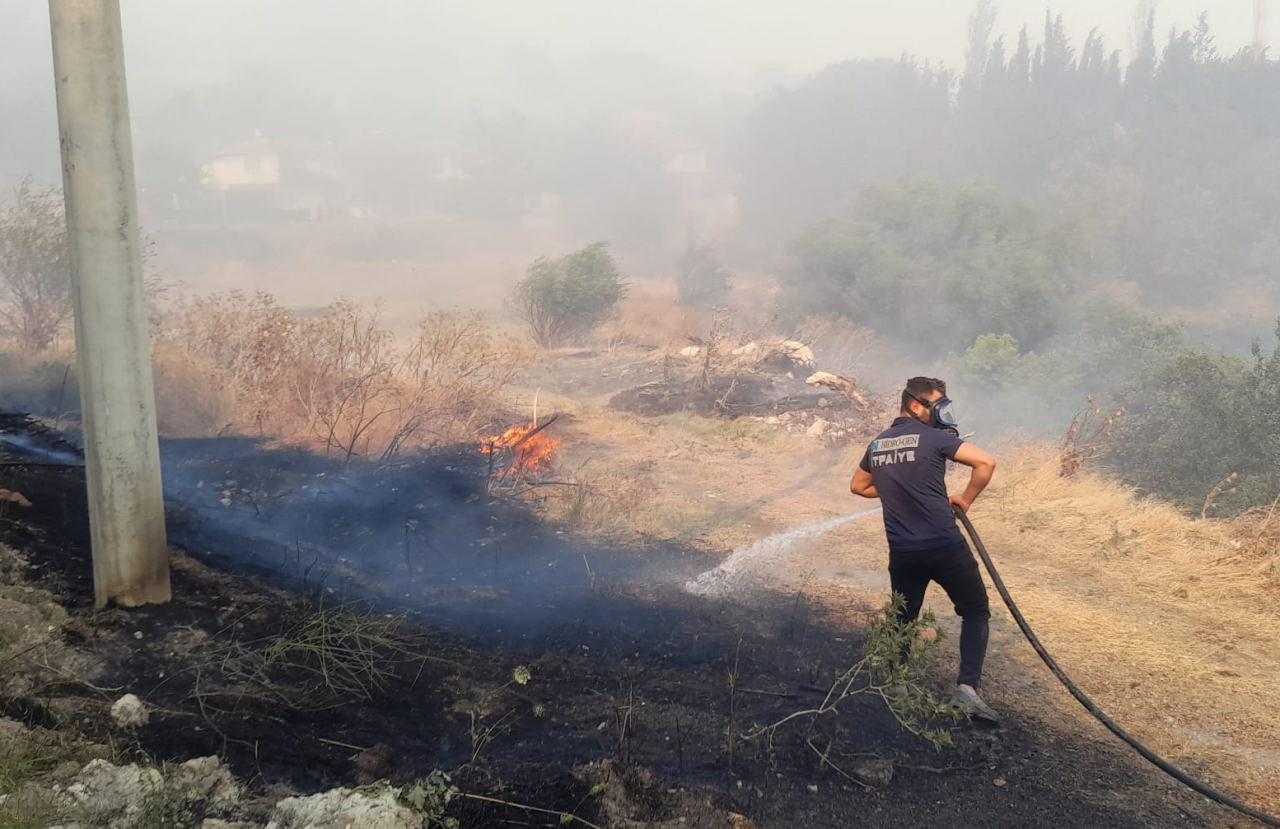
<point x="908" y="464"/>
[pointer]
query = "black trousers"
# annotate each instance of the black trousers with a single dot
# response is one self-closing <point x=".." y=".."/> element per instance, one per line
<point x="956" y="570"/>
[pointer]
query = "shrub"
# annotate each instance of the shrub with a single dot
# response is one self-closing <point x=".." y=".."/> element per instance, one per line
<point x="701" y="281"/>
<point x="35" y="268"/>
<point x="339" y="380"/>
<point x="1195" y="422"/>
<point x="992" y="361"/>
<point x="563" y="299"/>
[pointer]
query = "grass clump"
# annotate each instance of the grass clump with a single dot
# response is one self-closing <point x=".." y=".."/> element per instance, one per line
<point x="328" y="657"/>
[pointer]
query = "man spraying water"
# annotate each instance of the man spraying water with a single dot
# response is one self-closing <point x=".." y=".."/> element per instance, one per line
<point x="905" y="467"/>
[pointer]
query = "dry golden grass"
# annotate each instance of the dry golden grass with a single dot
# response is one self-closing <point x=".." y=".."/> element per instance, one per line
<point x="1172" y="624"/>
<point x="193" y="397"/>
<point x="1092" y="522"/>
<point x="650" y="316"/>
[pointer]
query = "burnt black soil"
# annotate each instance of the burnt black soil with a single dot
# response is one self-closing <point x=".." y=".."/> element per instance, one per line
<point x="724" y="395"/>
<point x="625" y="666"/>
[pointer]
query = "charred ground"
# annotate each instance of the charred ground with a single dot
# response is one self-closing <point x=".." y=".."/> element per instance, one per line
<point x="628" y="673"/>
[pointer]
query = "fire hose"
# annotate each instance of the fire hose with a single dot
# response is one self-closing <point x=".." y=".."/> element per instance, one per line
<point x="1089" y="705"/>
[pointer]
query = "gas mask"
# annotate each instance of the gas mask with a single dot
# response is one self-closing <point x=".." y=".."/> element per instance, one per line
<point x="941" y="413"/>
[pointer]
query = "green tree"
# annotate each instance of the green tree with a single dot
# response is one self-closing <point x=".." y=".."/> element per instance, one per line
<point x="562" y="299"/>
<point x="933" y="267"/>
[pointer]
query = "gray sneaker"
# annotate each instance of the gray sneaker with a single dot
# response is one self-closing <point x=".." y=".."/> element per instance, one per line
<point x="967" y="700"/>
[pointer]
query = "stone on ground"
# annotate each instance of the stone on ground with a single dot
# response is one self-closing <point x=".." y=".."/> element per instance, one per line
<point x="130" y="712"/>
<point x="344" y="809"/>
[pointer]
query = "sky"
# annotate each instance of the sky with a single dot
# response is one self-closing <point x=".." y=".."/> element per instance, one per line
<point x="199" y="40"/>
<point x="425" y="61"/>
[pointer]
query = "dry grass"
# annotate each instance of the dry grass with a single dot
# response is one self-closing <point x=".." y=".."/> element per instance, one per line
<point x="1170" y="622"/>
<point x="650" y="316"/>
<point x="1094" y="522"/>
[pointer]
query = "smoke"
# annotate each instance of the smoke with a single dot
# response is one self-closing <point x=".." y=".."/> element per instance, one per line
<point x="757" y="563"/>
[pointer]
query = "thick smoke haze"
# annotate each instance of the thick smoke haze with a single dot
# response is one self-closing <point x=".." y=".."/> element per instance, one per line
<point x="417" y="67"/>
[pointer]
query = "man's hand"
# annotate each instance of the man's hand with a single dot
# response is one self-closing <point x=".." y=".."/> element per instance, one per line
<point x="983" y="466"/>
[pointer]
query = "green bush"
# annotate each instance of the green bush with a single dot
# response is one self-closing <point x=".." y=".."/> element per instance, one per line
<point x="701" y="281"/>
<point x="991" y="361"/>
<point x="1196" y="421"/>
<point x="562" y="299"/>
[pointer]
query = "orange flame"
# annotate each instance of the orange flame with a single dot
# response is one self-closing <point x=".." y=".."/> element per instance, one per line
<point x="530" y="453"/>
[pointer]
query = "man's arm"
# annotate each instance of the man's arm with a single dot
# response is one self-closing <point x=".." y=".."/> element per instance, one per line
<point x="863" y="484"/>
<point x="983" y="466"/>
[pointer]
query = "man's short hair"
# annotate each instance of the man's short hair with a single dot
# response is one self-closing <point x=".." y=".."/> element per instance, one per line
<point x="920" y="388"/>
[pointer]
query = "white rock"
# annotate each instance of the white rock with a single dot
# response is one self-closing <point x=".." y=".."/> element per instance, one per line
<point x="799" y="353"/>
<point x="690" y="351"/>
<point x="114" y="795"/>
<point x="818" y="429"/>
<point x="344" y="809"/>
<point x="130" y="712"/>
<point x="749" y="348"/>
<point x="205" y="780"/>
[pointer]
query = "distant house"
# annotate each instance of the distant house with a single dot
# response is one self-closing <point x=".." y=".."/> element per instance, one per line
<point x="277" y="179"/>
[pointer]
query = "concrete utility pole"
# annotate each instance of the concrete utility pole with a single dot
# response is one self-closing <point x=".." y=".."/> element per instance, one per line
<point x="117" y="397"/>
<point x="1259" y="26"/>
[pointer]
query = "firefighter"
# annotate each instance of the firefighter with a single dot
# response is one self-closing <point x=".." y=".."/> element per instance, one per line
<point x="905" y="467"/>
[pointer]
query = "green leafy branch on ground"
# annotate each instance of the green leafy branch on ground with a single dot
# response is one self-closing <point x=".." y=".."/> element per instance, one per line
<point x="883" y="672"/>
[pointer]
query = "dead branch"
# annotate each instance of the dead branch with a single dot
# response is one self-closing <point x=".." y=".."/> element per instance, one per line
<point x="846" y="386"/>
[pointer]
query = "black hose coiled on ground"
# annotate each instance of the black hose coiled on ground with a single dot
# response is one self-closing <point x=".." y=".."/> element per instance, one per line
<point x="1155" y="759"/>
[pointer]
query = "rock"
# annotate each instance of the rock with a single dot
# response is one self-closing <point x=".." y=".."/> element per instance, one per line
<point x="798" y="353"/>
<point x="818" y="428"/>
<point x="114" y="795"/>
<point x="205" y="780"/>
<point x="215" y="823"/>
<point x="874" y="772"/>
<point x="65" y="771"/>
<point x="691" y="351"/>
<point x="745" y="350"/>
<point x="130" y="712"/>
<point x="344" y="809"/>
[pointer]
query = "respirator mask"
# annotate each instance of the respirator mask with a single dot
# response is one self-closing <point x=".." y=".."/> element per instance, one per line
<point x="941" y="412"/>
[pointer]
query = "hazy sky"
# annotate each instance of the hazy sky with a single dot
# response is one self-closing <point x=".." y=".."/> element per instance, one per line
<point x="424" y="59"/>
<point x="182" y="40"/>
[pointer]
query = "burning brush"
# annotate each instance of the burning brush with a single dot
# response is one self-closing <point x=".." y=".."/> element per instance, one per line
<point x="525" y="449"/>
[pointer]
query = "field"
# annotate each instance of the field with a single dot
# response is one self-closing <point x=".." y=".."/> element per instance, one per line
<point x="369" y="587"/>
